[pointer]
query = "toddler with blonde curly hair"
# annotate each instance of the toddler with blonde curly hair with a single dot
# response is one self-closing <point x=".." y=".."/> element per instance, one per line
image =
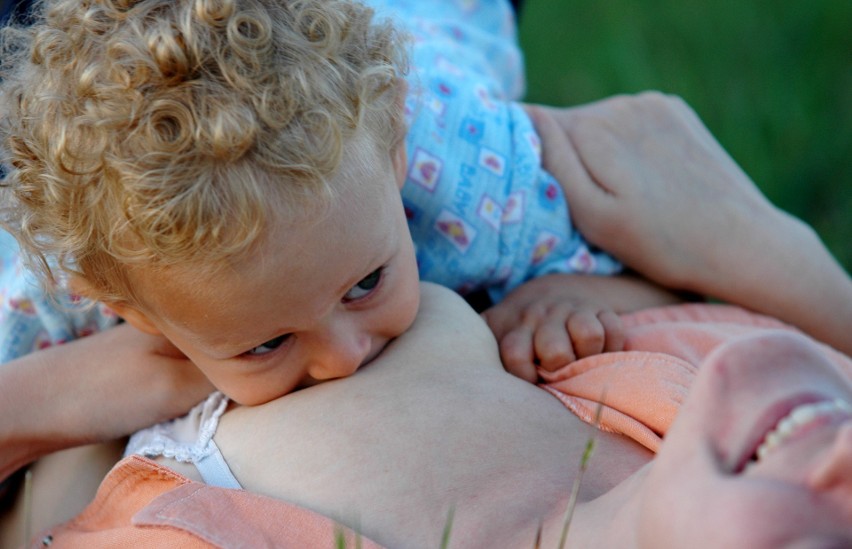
<point x="227" y="174"/>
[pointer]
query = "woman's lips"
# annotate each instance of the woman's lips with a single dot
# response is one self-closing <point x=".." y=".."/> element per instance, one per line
<point x="799" y="419"/>
<point x="767" y="421"/>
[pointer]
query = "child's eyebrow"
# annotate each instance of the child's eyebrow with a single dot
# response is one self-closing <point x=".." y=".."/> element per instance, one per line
<point x="217" y="346"/>
<point x="376" y="260"/>
<point x="230" y="349"/>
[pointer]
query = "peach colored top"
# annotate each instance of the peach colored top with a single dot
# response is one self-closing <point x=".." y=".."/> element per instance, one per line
<point x="141" y="503"/>
<point x="644" y="385"/>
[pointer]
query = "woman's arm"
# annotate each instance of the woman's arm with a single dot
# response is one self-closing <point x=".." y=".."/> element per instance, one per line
<point x="646" y="181"/>
<point x="93" y="389"/>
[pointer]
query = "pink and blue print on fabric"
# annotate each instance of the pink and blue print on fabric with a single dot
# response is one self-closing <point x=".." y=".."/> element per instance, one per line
<point x="436" y="106"/>
<point x="486" y="98"/>
<point x="30" y="319"/>
<point x="472" y="130"/>
<point x="492" y="161"/>
<point x="513" y="211"/>
<point x="445" y="66"/>
<point x="491" y="212"/>
<point x="456" y="230"/>
<point x="583" y="261"/>
<point x="545" y="243"/>
<point x="443" y="89"/>
<point x="425" y="169"/>
<point x="534" y="142"/>
<point x="550" y="194"/>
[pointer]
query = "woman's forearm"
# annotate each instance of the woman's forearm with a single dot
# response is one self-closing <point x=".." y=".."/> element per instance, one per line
<point x="94" y="389"/>
<point x="785" y="271"/>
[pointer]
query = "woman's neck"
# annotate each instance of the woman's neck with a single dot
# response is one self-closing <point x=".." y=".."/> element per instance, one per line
<point x="610" y="520"/>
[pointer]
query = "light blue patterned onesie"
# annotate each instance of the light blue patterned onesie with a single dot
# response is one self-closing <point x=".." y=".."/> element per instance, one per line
<point x="29" y="319"/>
<point x="482" y="211"/>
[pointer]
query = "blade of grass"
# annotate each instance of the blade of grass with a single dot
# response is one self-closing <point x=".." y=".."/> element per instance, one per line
<point x="448" y="527"/>
<point x="584" y="464"/>
<point x="339" y="538"/>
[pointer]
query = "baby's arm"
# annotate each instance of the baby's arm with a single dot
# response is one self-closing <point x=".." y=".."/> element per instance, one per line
<point x="646" y="181"/>
<point x="555" y="319"/>
<point x="97" y="388"/>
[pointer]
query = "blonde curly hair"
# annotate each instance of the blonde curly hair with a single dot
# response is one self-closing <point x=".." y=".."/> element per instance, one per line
<point x="165" y="132"/>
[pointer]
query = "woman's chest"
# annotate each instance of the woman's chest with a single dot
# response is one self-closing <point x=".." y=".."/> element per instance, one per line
<point x="493" y="451"/>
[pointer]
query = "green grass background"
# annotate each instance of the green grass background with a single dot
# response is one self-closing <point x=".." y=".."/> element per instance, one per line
<point x="772" y="79"/>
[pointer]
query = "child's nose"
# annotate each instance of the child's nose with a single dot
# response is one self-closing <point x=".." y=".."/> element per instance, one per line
<point x="340" y="355"/>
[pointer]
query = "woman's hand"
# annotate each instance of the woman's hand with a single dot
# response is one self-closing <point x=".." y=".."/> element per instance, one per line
<point x="646" y="181"/>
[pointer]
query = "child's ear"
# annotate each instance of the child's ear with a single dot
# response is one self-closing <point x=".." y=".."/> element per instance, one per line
<point x="399" y="159"/>
<point x="131" y="314"/>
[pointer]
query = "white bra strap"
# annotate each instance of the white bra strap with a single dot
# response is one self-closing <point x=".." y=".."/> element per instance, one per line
<point x="215" y="471"/>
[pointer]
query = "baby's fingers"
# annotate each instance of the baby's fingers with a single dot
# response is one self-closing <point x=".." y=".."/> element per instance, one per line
<point x="516" y="351"/>
<point x="587" y="333"/>
<point x="553" y="348"/>
<point x="613" y="330"/>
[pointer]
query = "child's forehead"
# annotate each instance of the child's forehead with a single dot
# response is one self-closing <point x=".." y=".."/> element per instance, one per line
<point x="305" y="262"/>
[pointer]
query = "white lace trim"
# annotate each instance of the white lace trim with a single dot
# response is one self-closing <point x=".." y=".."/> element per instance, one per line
<point x="186" y="439"/>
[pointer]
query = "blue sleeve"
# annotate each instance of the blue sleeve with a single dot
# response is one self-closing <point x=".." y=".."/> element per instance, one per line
<point x="30" y="319"/>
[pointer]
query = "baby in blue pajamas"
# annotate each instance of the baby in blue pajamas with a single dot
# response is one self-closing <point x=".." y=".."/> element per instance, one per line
<point x="482" y="211"/>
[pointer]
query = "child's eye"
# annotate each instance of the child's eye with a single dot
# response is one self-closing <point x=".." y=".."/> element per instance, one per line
<point x="268" y="346"/>
<point x="365" y="286"/>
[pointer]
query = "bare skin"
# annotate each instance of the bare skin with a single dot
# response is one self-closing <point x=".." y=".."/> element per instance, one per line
<point x="416" y="386"/>
<point x="378" y="443"/>
<point x="419" y="388"/>
<point x="63" y="417"/>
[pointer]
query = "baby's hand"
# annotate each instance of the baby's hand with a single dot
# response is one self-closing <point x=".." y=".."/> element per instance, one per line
<point x="547" y="323"/>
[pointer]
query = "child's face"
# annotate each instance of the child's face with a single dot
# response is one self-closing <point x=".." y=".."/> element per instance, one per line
<point x="317" y="300"/>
